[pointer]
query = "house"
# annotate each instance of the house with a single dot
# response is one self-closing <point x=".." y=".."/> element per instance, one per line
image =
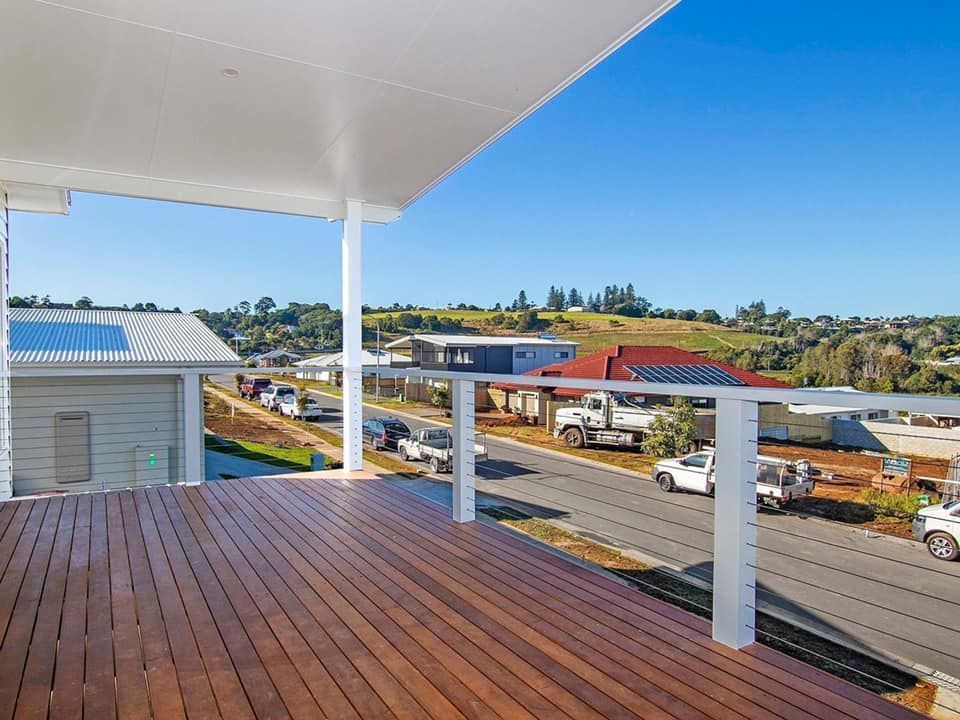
<point x="105" y="399"/>
<point x="498" y="354"/>
<point x="624" y="362"/>
<point x="812" y="422"/>
<point x="484" y="353"/>
<point x="318" y="366"/>
<point x="275" y="358"/>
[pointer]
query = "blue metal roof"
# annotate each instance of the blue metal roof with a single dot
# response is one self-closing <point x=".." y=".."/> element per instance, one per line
<point x="31" y="336"/>
<point x="51" y="337"/>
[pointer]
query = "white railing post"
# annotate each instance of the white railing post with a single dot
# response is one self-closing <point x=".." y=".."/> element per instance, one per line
<point x="192" y="428"/>
<point x="352" y="338"/>
<point x="6" y="428"/>
<point x="464" y="463"/>
<point x="734" y="524"/>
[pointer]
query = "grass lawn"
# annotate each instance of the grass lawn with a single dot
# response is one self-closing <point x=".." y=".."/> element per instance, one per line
<point x="290" y="458"/>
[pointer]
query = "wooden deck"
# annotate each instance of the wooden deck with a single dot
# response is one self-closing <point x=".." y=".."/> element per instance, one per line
<point x="312" y="597"/>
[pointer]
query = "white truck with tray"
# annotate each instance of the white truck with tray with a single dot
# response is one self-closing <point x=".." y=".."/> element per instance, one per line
<point x="778" y="480"/>
<point x="434" y="445"/>
<point x="604" y="418"/>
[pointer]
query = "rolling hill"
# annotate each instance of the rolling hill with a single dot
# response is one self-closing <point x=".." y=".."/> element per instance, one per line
<point x="592" y="330"/>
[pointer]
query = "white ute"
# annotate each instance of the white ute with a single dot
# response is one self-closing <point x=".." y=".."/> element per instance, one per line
<point x="435" y="445"/>
<point x="778" y="480"/>
<point x="939" y="527"/>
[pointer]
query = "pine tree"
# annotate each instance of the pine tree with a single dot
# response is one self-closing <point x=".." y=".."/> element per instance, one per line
<point x="522" y="303"/>
<point x="574" y="299"/>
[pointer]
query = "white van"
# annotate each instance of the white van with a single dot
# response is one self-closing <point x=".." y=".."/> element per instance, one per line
<point x="939" y="527"/>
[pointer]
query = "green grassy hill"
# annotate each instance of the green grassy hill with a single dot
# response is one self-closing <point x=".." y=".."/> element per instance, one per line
<point x="597" y="330"/>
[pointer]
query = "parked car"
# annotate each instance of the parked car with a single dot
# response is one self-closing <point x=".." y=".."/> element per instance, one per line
<point x="290" y="406"/>
<point x="435" y="445"/>
<point x="939" y="527"/>
<point x="251" y="387"/>
<point x="778" y="480"/>
<point x="384" y="432"/>
<point x="270" y="396"/>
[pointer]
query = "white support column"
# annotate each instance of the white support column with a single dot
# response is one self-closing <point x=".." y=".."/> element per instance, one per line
<point x="734" y="524"/>
<point x="352" y="245"/>
<point x="464" y="463"/>
<point x="192" y="427"/>
<point x="6" y="428"/>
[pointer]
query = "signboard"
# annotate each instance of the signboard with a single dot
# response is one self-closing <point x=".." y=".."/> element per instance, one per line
<point x="899" y="467"/>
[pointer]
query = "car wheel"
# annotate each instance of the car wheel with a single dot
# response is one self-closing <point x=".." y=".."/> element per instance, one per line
<point x="942" y="546"/>
<point x="665" y="482"/>
<point x="435" y="464"/>
<point x="403" y="454"/>
<point x="574" y="438"/>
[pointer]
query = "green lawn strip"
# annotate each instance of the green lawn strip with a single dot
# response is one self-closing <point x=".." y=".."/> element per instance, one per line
<point x="290" y="458"/>
<point x="668" y="587"/>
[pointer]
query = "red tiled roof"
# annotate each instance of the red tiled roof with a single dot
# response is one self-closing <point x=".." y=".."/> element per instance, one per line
<point x="610" y="364"/>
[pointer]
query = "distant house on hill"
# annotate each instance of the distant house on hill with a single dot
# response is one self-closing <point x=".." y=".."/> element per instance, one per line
<point x="275" y="358"/>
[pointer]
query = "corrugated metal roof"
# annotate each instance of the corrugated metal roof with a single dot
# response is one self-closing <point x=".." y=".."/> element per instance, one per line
<point x="53" y="337"/>
<point x="479" y="340"/>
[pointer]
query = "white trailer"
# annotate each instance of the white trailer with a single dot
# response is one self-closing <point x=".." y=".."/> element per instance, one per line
<point x="604" y="418"/>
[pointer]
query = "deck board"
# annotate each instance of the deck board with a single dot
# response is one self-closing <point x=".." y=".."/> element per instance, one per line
<point x="316" y="596"/>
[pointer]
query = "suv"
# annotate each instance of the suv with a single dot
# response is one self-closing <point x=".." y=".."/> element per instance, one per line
<point x="251" y="387"/>
<point x="270" y="396"/>
<point x="384" y="432"/>
<point x="939" y="527"/>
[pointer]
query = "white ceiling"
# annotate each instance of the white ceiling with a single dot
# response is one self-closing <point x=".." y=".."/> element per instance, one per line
<point x="375" y="100"/>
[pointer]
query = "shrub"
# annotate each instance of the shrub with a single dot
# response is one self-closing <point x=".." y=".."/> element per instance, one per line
<point x="903" y="507"/>
<point x="439" y="396"/>
<point x="673" y="433"/>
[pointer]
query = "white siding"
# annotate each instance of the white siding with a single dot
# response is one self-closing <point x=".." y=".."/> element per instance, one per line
<point x="124" y="412"/>
<point x="542" y="355"/>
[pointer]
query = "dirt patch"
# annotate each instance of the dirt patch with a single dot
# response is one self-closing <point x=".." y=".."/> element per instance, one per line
<point x="234" y="420"/>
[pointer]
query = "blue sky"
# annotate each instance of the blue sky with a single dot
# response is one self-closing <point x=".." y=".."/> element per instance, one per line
<point x="806" y="153"/>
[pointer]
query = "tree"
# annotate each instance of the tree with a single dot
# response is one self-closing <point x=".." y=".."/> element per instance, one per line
<point x="439" y="396"/>
<point x="83" y="303"/>
<point x="574" y="298"/>
<point x="244" y="307"/>
<point x="709" y="316"/>
<point x="522" y="303"/>
<point x="674" y="432"/>
<point x="264" y="305"/>
<point x="150" y="307"/>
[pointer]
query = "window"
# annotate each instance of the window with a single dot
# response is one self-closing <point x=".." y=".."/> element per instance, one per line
<point x="855" y="416"/>
<point x="460" y="356"/>
<point x="525" y="355"/>
<point x="699" y="460"/>
<point x="561" y="355"/>
<point x="872" y="416"/>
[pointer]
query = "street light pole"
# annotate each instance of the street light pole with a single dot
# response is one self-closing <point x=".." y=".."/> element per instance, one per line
<point x="377" y="395"/>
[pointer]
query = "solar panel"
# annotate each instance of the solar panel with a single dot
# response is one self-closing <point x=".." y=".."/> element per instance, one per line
<point x="684" y="374"/>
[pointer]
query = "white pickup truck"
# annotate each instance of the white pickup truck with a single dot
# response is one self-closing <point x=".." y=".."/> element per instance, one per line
<point x="778" y="480"/>
<point x="435" y="445"/>
<point x="939" y="527"/>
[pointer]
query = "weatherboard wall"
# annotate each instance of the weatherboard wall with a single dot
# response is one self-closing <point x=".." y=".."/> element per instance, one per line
<point x="124" y="412"/>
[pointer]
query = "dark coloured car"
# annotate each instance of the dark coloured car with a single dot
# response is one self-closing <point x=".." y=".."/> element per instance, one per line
<point x="384" y="432"/>
<point x="251" y="387"/>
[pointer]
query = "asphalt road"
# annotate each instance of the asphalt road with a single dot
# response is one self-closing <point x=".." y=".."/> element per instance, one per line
<point x="880" y="593"/>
